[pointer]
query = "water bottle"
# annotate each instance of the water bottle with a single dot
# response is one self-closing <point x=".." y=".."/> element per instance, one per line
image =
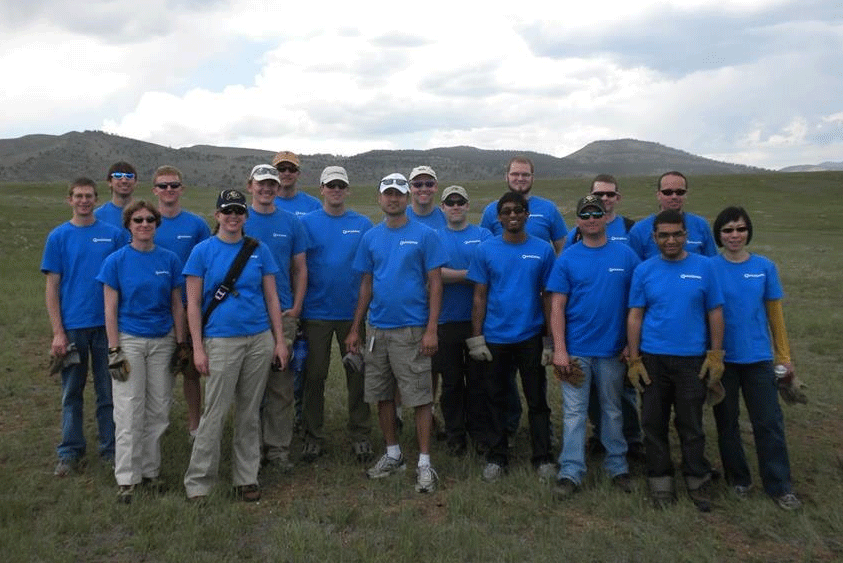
<point x="300" y="348"/>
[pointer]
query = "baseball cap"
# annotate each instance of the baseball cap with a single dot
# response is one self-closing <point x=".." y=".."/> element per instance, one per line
<point x="394" y="180"/>
<point x="231" y="198"/>
<point x="285" y="156"/>
<point x="590" y="200"/>
<point x="264" y="172"/>
<point x="333" y="173"/>
<point x="459" y="190"/>
<point x="419" y="170"/>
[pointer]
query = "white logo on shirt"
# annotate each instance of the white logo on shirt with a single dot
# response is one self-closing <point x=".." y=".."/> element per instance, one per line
<point x="618" y="238"/>
<point x="184" y="236"/>
<point x="690" y="276"/>
<point x="533" y="256"/>
<point x="283" y="235"/>
<point x="617" y="270"/>
<point x="536" y="215"/>
<point x="95" y="239"/>
<point x="694" y="242"/>
<point x="162" y="272"/>
<point x="477" y="241"/>
<point x="753" y="275"/>
<point x="350" y="231"/>
<point x="403" y="242"/>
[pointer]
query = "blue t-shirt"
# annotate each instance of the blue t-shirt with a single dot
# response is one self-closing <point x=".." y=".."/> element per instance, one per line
<point x="545" y="221"/>
<point x="676" y="297"/>
<point x="284" y="235"/>
<point x="435" y="219"/>
<point x="181" y="233"/>
<point x="332" y="284"/>
<point x="460" y="246"/>
<point x="596" y="281"/>
<point x="699" y="241"/>
<point x="144" y="282"/>
<point x="399" y="260"/>
<point x="110" y="213"/>
<point x="615" y="231"/>
<point x="746" y="287"/>
<point x="300" y="204"/>
<point x="515" y="275"/>
<point x="77" y="254"/>
<point x="243" y="312"/>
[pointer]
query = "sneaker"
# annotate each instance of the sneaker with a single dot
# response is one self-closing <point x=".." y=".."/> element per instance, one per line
<point x="546" y="472"/>
<point x="310" y="451"/>
<point x="742" y="491"/>
<point x="124" y="494"/>
<point x="565" y="489"/>
<point x="63" y="468"/>
<point x="622" y="482"/>
<point x="363" y="451"/>
<point x="386" y="466"/>
<point x="248" y="493"/>
<point x="492" y="472"/>
<point x="426" y="479"/>
<point x="789" y="501"/>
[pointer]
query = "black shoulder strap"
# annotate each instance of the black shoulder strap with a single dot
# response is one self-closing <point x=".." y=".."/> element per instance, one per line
<point x="577" y="235"/>
<point x="227" y="285"/>
<point x="628" y="223"/>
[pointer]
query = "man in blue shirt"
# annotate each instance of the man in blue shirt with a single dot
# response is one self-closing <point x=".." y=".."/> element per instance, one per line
<point x="463" y="400"/>
<point x="398" y="259"/>
<point x="288" y="197"/>
<point x="283" y="233"/>
<point x="423" y="187"/>
<point x="73" y="255"/>
<point x="180" y="231"/>
<point x="675" y="336"/>
<point x="590" y="285"/>
<point x="334" y="233"/>
<point x="672" y="191"/>
<point x="507" y="320"/>
<point x="122" y="179"/>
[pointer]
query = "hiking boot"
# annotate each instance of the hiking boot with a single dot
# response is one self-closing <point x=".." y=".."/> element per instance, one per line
<point x="386" y="466"/>
<point x="622" y="482"/>
<point x="426" y="479"/>
<point x="310" y="451"/>
<point x="788" y="501"/>
<point x="492" y="472"/>
<point x="701" y="497"/>
<point x="546" y="472"/>
<point x="565" y="489"/>
<point x="248" y="493"/>
<point x="363" y="450"/>
<point x="124" y="494"/>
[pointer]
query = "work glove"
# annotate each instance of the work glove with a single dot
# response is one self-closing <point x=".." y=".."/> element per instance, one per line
<point x="636" y="373"/>
<point x="181" y="358"/>
<point x="791" y="392"/>
<point x="477" y="348"/>
<point x="713" y="367"/>
<point x="575" y="375"/>
<point x="547" y="350"/>
<point x="70" y="358"/>
<point x="353" y="363"/>
<point x="118" y="365"/>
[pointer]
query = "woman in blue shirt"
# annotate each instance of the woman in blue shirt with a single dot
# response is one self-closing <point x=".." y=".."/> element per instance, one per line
<point x="752" y="314"/>
<point x="144" y="319"/>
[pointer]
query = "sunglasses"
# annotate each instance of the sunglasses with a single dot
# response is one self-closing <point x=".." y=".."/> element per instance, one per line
<point x="292" y="169"/>
<point x="605" y="194"/>
<point x="168" y="185"/>
<point x="140" y="220"/>
<point x="127" y="175"/>
<point x="456" y="201"/>
<point x="679" y="192"/>
<point x="729" y="230"/>
<point x="666" y="236"/>
<point x="236" y="209"/>
<point x="590" y="215"/>
<point x="393" y="181"/>
<point x="512" y="210"/>
<point x="336" y="186"/>
<point x="426" y="184"/>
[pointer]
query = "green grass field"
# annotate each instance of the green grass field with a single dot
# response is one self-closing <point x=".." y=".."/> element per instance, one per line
<point x="329" y="511"/>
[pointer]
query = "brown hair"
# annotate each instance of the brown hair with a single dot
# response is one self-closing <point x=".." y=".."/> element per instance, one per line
<point x="136" y="206"/>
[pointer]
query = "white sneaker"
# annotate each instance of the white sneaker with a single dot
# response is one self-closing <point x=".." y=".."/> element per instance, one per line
<point x="386" y="466"/>
<point x="546" y="472"/>
<point x="789" y="501"/>
<point x="426" y="480"/>
<point x="492" y="472"/>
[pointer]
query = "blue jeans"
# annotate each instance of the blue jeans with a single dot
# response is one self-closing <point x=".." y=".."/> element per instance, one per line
<point x="629" y="410"/>
<point x="607" y="375"/>
<point x="758" y="383"/>
<point x="92" y="344"/>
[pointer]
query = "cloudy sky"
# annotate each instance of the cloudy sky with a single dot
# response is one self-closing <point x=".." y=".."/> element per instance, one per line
<point x="756" y="82"/>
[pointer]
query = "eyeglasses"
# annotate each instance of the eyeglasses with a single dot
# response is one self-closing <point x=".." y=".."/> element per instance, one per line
<point x="336" y="185"/>
<point x="680" y="192"/>
<point x="605" y="194"/>
<point x="394" y="181"/>
<point x="730" y="230"/>
<point x="127" y="175"/>
<point x="139" y="220"/>
<point x="512" y="210"/>
<point x="236" y="209"/>
<point x="668" y="236"/>
<point x="290" y="168"/>
<point x="585" y="215"/>
<point x="456" y="201"/>
<point x="168" y="185"/>
<point x="426" y="184"/>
